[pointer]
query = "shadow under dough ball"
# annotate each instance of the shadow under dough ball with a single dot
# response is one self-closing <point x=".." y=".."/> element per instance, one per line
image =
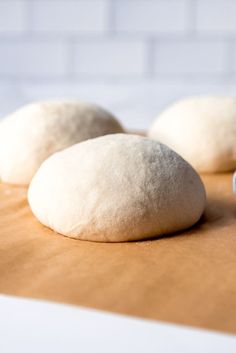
<point x="34" y="132"/>
<point x="116" y="188"/>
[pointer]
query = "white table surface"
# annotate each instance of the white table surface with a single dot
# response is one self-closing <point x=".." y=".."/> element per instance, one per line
<point x="30" y="326"/>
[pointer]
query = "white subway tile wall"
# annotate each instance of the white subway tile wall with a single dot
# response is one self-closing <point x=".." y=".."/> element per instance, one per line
<point x="13" y="16"/>
<point x="132" y="56"/>
<point x="191" y="57"/>
<point x="33" y="59"/>
<point x="114" y="58"/>
<point x="69" y="16"/>
<point x="216" y="16"/>
<point x="151" y="16"/>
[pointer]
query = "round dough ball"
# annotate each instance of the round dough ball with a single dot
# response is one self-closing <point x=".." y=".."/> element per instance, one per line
<point x="202" y="130"/>
<point x="34" y="132"/>
<point x="116" y="188"/>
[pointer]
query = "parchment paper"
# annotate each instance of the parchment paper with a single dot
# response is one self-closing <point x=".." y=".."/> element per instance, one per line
<point x="189" y="278"/>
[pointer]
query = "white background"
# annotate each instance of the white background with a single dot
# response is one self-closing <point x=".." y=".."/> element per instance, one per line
<point x="131" y="56"/>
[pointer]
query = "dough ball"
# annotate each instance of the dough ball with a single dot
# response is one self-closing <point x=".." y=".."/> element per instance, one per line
<point x="34" y="132"/>
<point x="116" y="188"/>
<point x="202" y="130"/>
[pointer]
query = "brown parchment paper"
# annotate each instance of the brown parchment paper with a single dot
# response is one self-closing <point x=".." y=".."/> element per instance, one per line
<point x="189" y="278"/>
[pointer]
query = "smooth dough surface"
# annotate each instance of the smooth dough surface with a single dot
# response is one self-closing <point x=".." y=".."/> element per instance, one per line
<point x="34" y="132"/>
<point x="202" y="130"/>
<point x="116" y="188"/>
